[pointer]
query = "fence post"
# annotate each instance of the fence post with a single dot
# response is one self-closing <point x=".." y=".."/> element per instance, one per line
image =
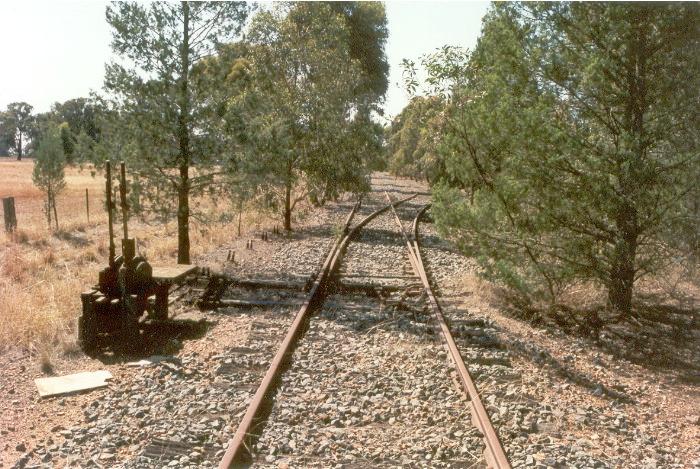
<point x="8" y="209"/>
<point x="87" y="205"/>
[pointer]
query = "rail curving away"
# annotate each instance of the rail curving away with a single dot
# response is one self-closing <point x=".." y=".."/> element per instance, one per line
<point x="494" y="454"/>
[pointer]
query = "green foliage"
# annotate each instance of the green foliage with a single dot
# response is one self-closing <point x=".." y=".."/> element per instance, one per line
<point x="414" y="136"/>
<point x="446" y="69"/>
<point x="569" y="144"/>
<point x="367" y="27"/>
<point x="80" y="114"/>
<point x="162" y="116"/>
<point x="411" y="140"/>
<point x="41" y="123"/>
<point x="298" y="118"/>
<point x="76" y="117"/>
<point x="48" y="174"/>
<point x="7" y="133"/>
<point x="49" y="162"/>
<point x="68" y="139"/>
<point x="73" y="117"/>
<point x="16" y="124"/>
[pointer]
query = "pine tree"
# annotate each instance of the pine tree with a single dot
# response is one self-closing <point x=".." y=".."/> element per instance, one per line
<point x="574" y="128"/>
<point x="159" y="114"/>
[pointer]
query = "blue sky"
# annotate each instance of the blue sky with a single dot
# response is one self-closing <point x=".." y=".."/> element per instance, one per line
<point x="56" y="50"/>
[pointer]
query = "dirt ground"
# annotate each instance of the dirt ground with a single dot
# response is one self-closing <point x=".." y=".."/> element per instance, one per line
<point x="662" y="399"/>
<point x="26" y="419"/>
<point x="42" y="268"/>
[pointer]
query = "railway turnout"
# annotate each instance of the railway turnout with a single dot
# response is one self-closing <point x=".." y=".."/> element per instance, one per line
<point x="240" y="452"/>
<point x="362" y="349"/>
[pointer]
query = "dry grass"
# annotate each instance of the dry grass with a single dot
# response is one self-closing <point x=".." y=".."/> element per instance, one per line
<point x="43" y="272"/>
<point x="16" y="181"/>
<point x="675" y="285"/>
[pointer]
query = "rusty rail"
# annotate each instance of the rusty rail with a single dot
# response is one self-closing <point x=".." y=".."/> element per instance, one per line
<point x="494" y="454"/>
<point x="237" y="453"/>
<point x="335" y="263"/>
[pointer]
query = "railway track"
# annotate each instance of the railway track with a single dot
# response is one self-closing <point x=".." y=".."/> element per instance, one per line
<point x="351" y="417"/>
<point x="494" y="454"/>
<point x="370" y="385"/>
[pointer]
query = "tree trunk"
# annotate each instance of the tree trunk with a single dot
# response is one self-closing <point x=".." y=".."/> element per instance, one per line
<point x="48" y="207"/>
<point x="55" y="213"/>
<point x="288" y="197"/>
<point x="621" y="284"/>
<point x="19" y="150"/>
<point x="622" y="271"/>
<point x="183" y="217"/>
<point x="240" y="216"/>
<point x="695" y="230"/>
<point x="183" y="209"/>
<point x="288" y="206"/>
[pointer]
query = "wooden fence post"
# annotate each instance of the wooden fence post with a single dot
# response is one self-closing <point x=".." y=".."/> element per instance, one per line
<point x="8" y="209"/>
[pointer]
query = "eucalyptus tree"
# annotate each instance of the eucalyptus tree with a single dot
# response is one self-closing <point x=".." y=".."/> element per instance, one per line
<point x="366" y="24"/>
<point x="368" y="30"/>
<point x="7" y="132"/>
<point x="412" y="138"/>
<point x="415" y="135"/>
<point x="78" y="116"/>
<point x="17" y="123"/>
<point x="297" y="119"/>
<point x="160" y="114"/>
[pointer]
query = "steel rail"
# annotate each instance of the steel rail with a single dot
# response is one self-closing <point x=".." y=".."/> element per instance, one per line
<point x="494" y="454"/>
<point x="335" y="263"/>
<point x="238" y="454"/>
<point x="411" y="255"/>
<point x="237" y="451"/>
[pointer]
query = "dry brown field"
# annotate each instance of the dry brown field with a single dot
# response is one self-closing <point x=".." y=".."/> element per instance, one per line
<point x="43" y="271"/>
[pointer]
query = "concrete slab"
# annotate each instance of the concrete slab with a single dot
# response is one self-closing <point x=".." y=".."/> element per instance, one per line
<point x="58" y="385"/>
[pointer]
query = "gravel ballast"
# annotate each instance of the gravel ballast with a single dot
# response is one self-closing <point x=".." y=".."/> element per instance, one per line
<point x="370" y="384"/>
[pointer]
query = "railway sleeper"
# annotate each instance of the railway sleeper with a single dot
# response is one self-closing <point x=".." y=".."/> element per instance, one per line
<point x="232" y="367"/>
<point x="362" y="275"/>
<point x="161" y="449"/>
<point x="241" y="350"/>
<point x="245" y="361"/>
<point x="475" y="322"/>
<point x="218" y="284"/>
<point x="476" y="342"/>
<point x="475" y="332"/>
<point x="487" y="342"/>
<point x="377" y="289"/>
<point x="419" y="328"/>
<point x="481" y="359"/>
<point x="483" y="372"/>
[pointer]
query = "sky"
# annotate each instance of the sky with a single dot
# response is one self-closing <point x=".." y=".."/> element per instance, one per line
<point x="55" y="50"/>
